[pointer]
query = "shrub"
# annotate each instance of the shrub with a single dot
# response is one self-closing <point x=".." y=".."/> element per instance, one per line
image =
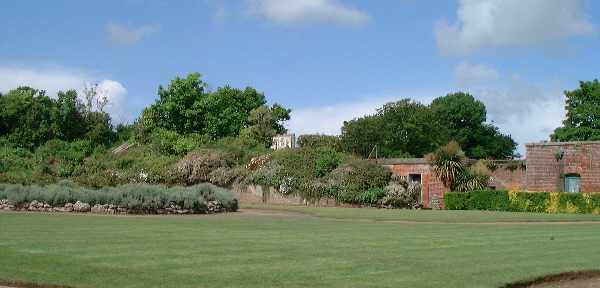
<point x="140" y="197"/>
<point x="401" y="194"/>
<point x="502" y="200"/>
<point x="348" y="182"/>
<point x="197" y="166"/>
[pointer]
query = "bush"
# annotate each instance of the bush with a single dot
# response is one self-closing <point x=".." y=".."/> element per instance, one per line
<point x="401" y="194"/>
<point x="348" y="182"/>
<point x="197" y="166"/>
<point x="140" y="197"/>
<point x="502" y="200"/>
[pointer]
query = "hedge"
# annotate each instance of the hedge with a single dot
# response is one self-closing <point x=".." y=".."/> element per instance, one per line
<point x="141" y="197"/>
<point x="516" y="201"/>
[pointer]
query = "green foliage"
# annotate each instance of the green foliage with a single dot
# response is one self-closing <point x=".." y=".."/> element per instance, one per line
<point x="502" y="200"/>
<point x="141" y="197"/>
<point x="583" y="116"/>
<point x="450" y="166"/>
<point x="464" y="120"/>
<point x="29" y="118"/>
<point x="297" y="171"/>
<point x="410" y="129"/>
<point x="266" y="122"/>
<point x="318" y="140"/>
<point x="400" y="193"/>
<point x="401" y="129"/>
<point x="349" y="182"/>
<point x="186" y="107"/>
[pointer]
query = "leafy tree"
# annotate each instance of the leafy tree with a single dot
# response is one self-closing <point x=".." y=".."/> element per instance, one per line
<point x="69" y="116"/>
<point x="27" y="117"/>
<point x="266" y="122"/>
<point x="400" y="129"/>
<point x="185" y="106"/>
<point x="583" y="114"/>
<point x="464" y="119"/>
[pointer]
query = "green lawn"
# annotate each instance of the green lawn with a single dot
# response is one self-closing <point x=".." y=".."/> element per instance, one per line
<point x="274" y="251"/>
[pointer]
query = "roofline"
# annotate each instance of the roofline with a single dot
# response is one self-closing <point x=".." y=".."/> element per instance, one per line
<point x="393" y="161"/>
<point x="562" y="143"/>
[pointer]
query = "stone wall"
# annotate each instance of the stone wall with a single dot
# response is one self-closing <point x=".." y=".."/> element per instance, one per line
<point x="256" y="194"/>
<point x="80" y="207"/>
<point x="547" y="163"/>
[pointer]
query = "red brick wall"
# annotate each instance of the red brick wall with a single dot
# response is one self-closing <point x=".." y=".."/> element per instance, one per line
<point x="431" y="184"/>
<point x="544" y="171"/>
<point x="503" y="178"/>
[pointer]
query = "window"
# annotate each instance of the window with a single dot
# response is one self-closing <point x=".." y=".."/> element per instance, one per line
<point x="573" y="183"/>
<point x="414" y="178"/>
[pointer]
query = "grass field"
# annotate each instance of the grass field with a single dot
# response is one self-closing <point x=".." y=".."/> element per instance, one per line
<point x="311" y="247"/>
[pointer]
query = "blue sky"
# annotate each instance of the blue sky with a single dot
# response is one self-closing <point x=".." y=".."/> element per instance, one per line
<point x="328" y="60"/>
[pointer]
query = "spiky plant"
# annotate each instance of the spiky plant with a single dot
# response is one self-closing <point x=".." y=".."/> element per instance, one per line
<point x="475" y="177"/>
<point x="448" y="163"/>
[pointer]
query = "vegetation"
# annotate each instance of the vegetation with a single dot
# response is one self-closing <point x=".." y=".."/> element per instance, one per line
<point x="29" y="118"/>
<point x="583" y="118"/>
<point x="502" y="200"/>
<point x="363" y="250"/>
<point x="451" y="166"/>
<point x="138" y="197"/>
<point x="186" y="107"/>
<point x="410" y="129"/>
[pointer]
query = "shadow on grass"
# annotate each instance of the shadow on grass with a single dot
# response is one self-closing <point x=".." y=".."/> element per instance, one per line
<point x="563" y="278"/>
<point x="20" y="284"/>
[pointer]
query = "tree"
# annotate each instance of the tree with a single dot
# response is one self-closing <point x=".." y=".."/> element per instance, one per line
<point x="69" y="116"/>
<point x="401" y="129"/>
<point x="583" y="114"/>
<point x="266" y="122"/>
<point x="186" y="107"/>
<point x="27" y="117"/>
<point x="464" y="119"/>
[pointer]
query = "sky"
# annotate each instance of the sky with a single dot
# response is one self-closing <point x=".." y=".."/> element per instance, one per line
<point x="327" y="60"/>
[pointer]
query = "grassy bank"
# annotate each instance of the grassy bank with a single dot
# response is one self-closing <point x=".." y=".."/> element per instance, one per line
<point x="241" y="250"/>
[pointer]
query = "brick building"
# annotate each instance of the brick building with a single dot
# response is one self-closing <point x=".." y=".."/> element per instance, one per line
<point x="551" y="166"/>
<point x="563" y="166"/>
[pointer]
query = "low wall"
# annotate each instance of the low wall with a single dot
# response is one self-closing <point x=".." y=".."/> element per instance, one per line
<point x="256" y="194"/>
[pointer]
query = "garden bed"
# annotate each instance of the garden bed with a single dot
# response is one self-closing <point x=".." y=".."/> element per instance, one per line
<point x="124" y="199"/>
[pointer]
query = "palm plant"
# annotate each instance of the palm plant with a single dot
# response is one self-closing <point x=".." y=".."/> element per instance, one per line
<point x="448" y="163"/>
<point x="450" y="166"/>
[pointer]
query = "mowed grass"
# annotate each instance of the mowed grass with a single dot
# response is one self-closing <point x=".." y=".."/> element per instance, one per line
<point x="243" y="250"/>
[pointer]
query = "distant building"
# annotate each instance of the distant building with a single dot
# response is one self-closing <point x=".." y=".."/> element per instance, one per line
<point x="284" y="141"/>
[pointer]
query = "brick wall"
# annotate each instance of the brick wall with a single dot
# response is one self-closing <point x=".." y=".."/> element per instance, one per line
<point x="432" y="186"/>
<point x="503" y="178"/>
<point x="544" y="171"/>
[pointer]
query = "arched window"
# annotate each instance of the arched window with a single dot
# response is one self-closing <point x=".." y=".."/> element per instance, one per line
<point x="573" y="183"/>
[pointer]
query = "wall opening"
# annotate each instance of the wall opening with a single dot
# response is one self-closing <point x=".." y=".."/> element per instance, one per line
<point x="415" y="178"/>
<point x="573" y="183"/>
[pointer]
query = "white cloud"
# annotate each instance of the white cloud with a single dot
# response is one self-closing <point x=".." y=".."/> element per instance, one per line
<point x="467" y="74"/>
<point x="510" y="23"/>
<point x="123" y="35"/>
<point x="54" y="80"/>
<point x="290" y="12"/>
<point x="520" y="108"/>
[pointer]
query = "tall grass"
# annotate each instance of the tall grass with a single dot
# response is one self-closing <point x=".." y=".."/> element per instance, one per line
<point x="142" y="197"/>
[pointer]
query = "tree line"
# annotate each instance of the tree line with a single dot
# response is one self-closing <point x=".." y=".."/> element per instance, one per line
<point x="186" y="109"/>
